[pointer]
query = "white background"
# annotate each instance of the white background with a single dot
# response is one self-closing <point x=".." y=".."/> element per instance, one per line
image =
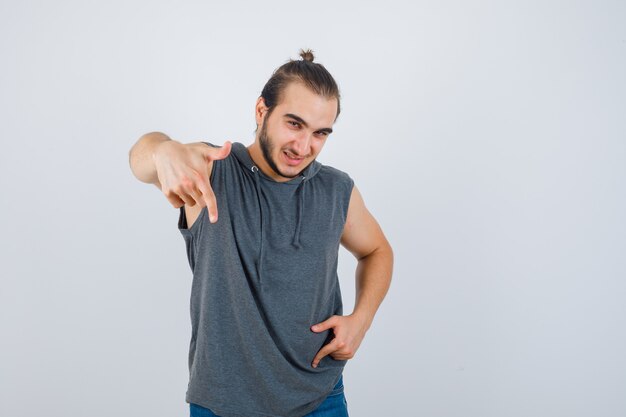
<point x="488" y="139"/>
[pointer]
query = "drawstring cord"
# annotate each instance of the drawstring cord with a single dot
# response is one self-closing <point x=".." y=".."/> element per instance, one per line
<point x="296" y="235"/>
<point x="257" y="183"/>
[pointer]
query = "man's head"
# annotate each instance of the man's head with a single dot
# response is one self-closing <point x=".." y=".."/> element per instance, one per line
<point x="296" y="111"/>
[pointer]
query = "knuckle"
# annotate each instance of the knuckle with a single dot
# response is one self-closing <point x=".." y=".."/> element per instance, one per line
<point x="198" y="176"/>
<point x="186" y="182"/>
<point x="174" y="190"/>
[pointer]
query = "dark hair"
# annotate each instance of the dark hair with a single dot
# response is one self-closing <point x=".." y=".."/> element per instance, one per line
<point x="311" y="74"/>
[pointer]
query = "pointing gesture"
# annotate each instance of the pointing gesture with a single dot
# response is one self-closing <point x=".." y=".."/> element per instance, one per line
<point x="184" y="172"/>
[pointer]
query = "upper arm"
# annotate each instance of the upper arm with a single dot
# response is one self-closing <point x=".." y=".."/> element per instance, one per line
<point x="361" y="234"/>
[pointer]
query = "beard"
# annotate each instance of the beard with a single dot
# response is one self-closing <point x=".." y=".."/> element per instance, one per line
<point x="267" y="147"/>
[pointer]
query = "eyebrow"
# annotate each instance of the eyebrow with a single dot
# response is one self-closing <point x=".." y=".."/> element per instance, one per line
<point x="301" y="120"/>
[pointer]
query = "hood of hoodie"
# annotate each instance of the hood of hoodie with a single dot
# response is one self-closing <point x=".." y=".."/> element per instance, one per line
<point x="242" y="154"/>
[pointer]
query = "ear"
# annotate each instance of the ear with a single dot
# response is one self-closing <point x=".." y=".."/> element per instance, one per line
<point x="260" y="110"/>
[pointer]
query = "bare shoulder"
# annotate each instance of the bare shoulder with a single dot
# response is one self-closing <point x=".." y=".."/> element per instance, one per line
<point x="361" y="234"/>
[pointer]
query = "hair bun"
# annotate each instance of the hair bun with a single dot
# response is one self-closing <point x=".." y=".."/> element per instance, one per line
<point x="307" y="55"/>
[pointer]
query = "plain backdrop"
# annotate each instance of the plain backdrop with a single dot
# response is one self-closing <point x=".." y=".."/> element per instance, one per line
<point x="487" y="137"/>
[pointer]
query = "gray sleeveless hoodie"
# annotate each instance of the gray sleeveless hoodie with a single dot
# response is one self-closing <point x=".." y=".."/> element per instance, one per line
<point x="262" y="276"/>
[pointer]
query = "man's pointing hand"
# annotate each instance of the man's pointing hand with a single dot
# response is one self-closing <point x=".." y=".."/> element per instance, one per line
<point x="184" y="172"/>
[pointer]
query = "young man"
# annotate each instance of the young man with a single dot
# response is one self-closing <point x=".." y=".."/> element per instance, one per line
<point x="268" y="334"/>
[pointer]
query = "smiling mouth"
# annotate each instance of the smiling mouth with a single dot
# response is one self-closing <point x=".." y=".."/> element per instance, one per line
<point x="292" y="159"/>
<point x="292" y="156"/>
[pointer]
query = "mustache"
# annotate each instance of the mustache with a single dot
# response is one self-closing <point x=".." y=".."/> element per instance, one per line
<point x="295" y="154"/>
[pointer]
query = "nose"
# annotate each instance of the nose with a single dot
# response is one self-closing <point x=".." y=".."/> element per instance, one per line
<point x="302" y="144"/>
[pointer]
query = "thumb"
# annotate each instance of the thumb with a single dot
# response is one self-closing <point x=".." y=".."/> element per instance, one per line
<point x="221" y="152"/>
<point x="325" y="325"/>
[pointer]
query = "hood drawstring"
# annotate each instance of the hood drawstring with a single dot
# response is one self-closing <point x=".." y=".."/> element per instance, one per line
<point x="296" y="235"/>
<point x="257" y="183"/>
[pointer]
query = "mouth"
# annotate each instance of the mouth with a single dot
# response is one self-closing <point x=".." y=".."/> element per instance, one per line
<point x="291" y="159"/>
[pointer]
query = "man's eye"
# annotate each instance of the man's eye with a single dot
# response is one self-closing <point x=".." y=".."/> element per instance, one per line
<point x="293" y="123"/>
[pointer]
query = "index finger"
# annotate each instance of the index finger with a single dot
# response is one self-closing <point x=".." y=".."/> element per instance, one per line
<point x="209" y="199"/>
<point x="326" y="350"/>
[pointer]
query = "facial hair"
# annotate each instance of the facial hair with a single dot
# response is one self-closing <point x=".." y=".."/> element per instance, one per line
<point x="267" y="147"/>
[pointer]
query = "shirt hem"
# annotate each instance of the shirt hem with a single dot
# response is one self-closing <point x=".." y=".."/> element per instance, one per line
<point x="227" y="412"/>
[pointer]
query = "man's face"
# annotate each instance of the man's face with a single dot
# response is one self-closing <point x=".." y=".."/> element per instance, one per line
<point x="294" y="133"/>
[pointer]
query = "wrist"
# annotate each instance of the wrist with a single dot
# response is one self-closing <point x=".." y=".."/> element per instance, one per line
<point x="363" y="318"/>
<point x="159" y="145"/>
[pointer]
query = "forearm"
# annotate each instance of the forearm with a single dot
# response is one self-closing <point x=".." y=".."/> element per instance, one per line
<point x="373" y="278"/>
<point x="140" y="156"/>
